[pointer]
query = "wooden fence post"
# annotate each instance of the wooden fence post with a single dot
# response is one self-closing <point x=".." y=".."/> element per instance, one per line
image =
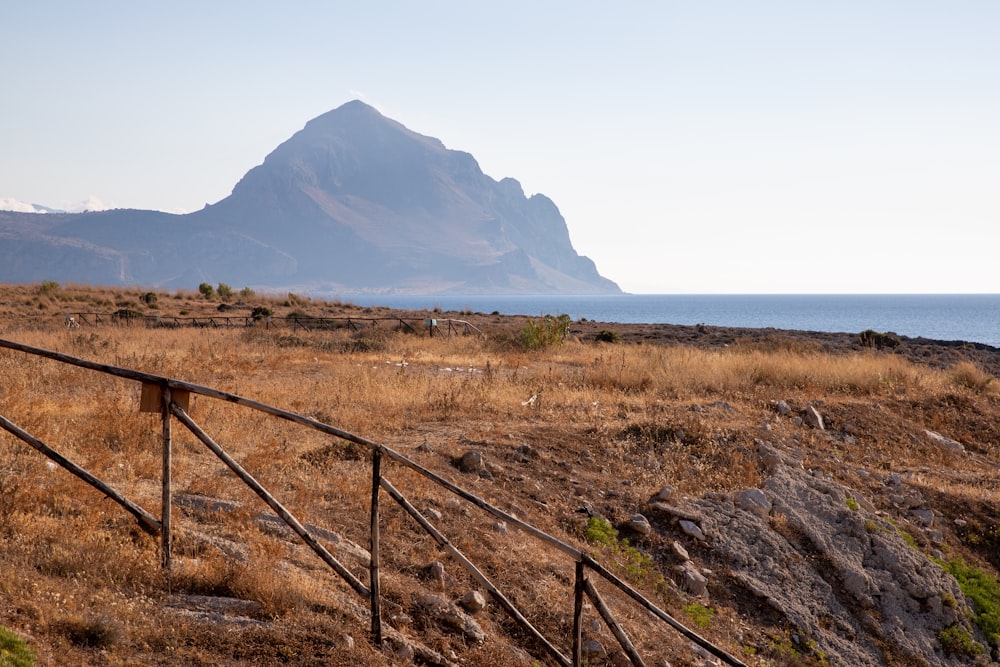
<point x="167" y="457"/>
<point x="616" y="629"/>
<point x="374" y="584"/>
<point x="578" y="615"/>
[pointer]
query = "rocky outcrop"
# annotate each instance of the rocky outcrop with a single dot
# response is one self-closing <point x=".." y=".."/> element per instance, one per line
<point x="819" y="559"/>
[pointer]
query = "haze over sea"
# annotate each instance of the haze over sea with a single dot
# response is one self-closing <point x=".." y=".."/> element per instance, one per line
<point x="973" y="318"/>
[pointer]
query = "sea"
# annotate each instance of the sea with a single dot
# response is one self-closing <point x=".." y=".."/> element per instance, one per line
<point x="973" y="318"/>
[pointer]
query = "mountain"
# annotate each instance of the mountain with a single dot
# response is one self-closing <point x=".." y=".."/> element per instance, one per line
<point x="354" y="202"/>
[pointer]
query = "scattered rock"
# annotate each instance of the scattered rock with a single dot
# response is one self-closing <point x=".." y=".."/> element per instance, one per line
<point x="639" y="524"/>
<point x="435" y="572"/>
<point x="691" y="580"/>
<point x="473" y="602"/>
<point x="692" y="529"/>
<point x="665" y="494"/>
<point x="947" y="443"/>
<point x="814" y="418"/>
<point x="680" y="551"/>
<point x="782" y="408"/>
<point x="448" y="614"/>
<point x="471" y="461"/>
<point x="433" y="514"/>
<point x="593" y="651"/>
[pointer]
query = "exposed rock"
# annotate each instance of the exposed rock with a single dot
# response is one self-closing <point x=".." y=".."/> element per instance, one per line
<point x="782" y="408"/>
<point x="814" y="418"/>
<point x="691" y="580"/>
<point x="754" y="501"/>
<point x="593" y="651"/>
<point x="947" y="443"/>
<point x="845" y="578"/>
<point x="692" y="529"/>
<point x="435" y="572"/>
<point x="471" y="461"/>
<point x="679" y="550"/>
<point x="639" y="524"/>
<point x="473" y="602"/>
<point x="448" y="614"/>
<point x="664" y="495"/>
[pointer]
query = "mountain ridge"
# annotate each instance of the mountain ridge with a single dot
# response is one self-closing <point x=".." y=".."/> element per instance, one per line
<point x="352" y="202"/>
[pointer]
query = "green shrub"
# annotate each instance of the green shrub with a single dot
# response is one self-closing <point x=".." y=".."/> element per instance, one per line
<point x="206" y="290"/>
<point x="224" y="291"/>
<point x="48" y="288"/>
<point x="606" y="336"/>
<point x="547" y="332"/>
<point x="14" y="652"/>
<point x="956" y="640"/>
<point x="700" y="615"/>
<point x="871" y="338"/>
<point x="600" y="532"/>
<point x="260" y="313"/>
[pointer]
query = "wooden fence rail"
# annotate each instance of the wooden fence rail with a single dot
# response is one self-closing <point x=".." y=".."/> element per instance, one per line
<point x="169" y="396"/>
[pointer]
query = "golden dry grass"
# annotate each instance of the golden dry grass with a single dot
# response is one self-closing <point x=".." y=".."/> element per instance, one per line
<point x="610" y="424"/>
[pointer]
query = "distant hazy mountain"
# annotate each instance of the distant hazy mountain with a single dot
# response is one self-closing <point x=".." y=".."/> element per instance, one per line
<point x="353" y="202"/>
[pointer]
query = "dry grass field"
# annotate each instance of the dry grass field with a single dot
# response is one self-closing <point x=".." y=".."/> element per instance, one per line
<point x="610" y="424"/>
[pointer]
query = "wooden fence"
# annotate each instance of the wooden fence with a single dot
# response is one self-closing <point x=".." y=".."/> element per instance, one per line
<point x="446" y="326"/>
<point x="170" y="398"/>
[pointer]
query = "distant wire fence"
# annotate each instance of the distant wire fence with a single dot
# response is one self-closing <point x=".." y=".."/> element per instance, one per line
<point x="446" y="327"/>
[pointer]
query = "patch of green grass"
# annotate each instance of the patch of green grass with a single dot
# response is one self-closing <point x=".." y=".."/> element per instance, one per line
<point x="699" y="614"/>
<point x="984" y="591"/>
<point x="14" y="652"/>
<point x="956" y="640"/>
<point x="852" y="504"/>
<point x="637" y="564"/>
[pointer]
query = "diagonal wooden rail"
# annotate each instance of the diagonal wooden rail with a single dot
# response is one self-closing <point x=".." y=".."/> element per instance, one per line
<point x="170" y="389"/>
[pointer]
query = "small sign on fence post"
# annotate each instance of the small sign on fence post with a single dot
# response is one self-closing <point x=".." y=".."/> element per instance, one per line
<point x="151" y="399"/>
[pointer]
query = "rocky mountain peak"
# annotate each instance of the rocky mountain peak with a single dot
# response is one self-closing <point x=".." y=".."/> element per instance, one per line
<point x="354" y="201"/>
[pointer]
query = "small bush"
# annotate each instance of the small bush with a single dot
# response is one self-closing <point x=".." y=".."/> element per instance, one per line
<point x="547" y="332"/>
<point x="600" y="532"/>
<point x="260" y="313"/>
<point x="968" y="375"/>
<point x="90" y="631"/>
<point x="48" y="288"/>
<point x="13" y="651"/>
<point x="956" y="640"/>
<point x="879" y="341"/>
<point x="206" y="290"/>
<point x="150" y="299"/>
<point x="224" y="291"/>
<point x="699" y="614"/>
<point x="606" y="336"/>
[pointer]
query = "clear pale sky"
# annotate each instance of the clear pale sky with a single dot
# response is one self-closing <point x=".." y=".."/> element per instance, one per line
<point x="693" y="147"/>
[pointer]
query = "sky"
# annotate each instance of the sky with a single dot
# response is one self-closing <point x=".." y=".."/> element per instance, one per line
<point x="695" y="147"/>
